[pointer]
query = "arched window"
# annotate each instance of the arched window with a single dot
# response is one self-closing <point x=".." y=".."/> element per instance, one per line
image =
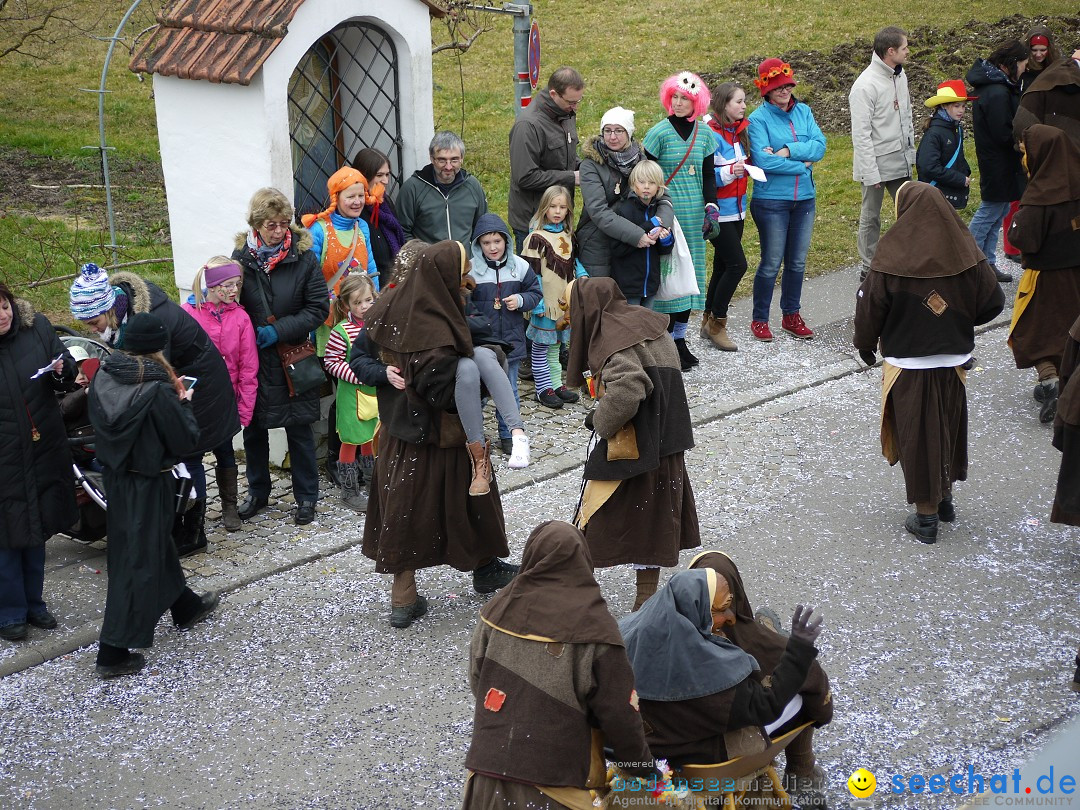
<point x="343" y="96"/>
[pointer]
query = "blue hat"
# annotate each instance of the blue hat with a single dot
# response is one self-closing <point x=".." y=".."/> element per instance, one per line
<point x="91" y="293"/>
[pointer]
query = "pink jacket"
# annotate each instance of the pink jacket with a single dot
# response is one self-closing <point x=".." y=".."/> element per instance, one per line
<point x="230" y="328"/>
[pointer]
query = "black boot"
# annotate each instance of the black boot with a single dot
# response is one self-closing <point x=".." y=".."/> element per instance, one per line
<point x="924" y="527"/>
<point x="496" y="574"/>
<point x="946" y="512"/>
<point x="188" y="531"/>
<point x="686" y="359"/>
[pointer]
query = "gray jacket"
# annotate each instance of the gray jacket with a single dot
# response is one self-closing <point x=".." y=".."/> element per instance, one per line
<point x="543" y="153"/>
<point x="882" y="135"/>
<point x="602" y="189"/>
<point x="427" y="213"/>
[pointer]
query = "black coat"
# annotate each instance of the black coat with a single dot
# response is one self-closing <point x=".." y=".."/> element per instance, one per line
<point x="637" y="270"/>
<point x="1001" y="177"/>
<point x="142" y="429"/>
<point x="939" y="143"/>
<point x="190" y="351"/>
<point x="300" y="303"/>
<point x="37" y="485"/>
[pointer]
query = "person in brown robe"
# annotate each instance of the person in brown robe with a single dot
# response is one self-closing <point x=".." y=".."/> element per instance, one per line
<point x="637" y="505"/>
<point x="1046" y="229"/>
<point x="703" y="698"/>
<point x="803" y="777"/>
<point x="928" y="287"/>
<point x="552" y="684"/>
<point x="421" y="513"/>
<point x="1053" y="99"/>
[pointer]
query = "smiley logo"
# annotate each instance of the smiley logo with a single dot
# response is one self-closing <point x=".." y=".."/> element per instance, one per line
<point x="862" y="783"/>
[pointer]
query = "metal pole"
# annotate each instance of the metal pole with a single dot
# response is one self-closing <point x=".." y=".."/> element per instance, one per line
<point x="102" y="147"/>
<point x="522" y="86"/>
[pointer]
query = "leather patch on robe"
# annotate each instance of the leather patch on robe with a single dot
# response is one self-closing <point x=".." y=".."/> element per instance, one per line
<point x="935" y="303"/>
<point x="1076" y="223"/>
<point x="555" y="649"/>
<point x="623" y="445"/>
<point x="494" y="699"/>
<point x="634" y="700"/>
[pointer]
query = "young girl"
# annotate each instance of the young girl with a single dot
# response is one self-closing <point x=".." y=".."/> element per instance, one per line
<point x="357" y="411"/>
<point x="940" y="159"/>
<point x="637" y="269"/>
<point x="214" y="305"/>
<point x="551" y="251"/>
<point x="1044" y="52"/>
<point x="727" y="216"/>
<point x="340" y="238"/>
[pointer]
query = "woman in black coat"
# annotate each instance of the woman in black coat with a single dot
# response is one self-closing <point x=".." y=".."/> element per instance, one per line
<point x="105" y="304"/>
<point x="143" y="423"/>
<point x="282" y="279"/>
<point x="37" y="486"/>
<point x="996" y="80"/>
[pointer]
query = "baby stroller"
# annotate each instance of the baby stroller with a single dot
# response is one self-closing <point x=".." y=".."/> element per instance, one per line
<point x="89" y="485"/>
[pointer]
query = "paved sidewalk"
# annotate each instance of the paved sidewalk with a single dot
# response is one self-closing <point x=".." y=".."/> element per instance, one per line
<point x="725" y="383"/>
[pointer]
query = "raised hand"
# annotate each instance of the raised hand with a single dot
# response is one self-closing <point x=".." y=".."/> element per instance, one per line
<point x="803" y="626"/>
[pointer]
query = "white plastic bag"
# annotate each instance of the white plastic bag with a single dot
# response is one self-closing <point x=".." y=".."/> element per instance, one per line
<point x="677" y="276"/>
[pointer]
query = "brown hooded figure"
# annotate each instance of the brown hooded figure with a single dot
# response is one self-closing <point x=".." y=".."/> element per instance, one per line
<point x="767" y="646"/>
<point x="1046" y="229"/>
<point x="1053" y="98"/>
<point x="922" y="304"/>
<point x="1067" y="435"/>
<point x="638" y="506"/>
<point x="552" y="683"/>
<point x="421" y="513"/>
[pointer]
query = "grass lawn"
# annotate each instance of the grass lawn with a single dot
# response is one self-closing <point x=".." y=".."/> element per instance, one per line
<point x="624" y="50"/>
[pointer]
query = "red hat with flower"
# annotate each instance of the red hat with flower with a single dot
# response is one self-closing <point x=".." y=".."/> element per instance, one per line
<point x="774" y="73"/>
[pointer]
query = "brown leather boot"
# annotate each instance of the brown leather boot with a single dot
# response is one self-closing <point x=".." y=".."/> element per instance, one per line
<point x="480" y="458"/>
<point x="647" y="581"/>
<point x="226" y="481"/>
<point x="706" y="319"/>
<point x="718" y="335"/>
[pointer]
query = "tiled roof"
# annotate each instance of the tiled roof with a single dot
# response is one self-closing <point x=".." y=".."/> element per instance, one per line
<point x="220" y="40"/>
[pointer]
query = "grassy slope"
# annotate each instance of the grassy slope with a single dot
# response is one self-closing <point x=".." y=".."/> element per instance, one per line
<point x="624" y="50"/>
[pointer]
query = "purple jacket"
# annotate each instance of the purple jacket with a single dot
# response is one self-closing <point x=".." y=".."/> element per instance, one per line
<point x="230" y="328"/>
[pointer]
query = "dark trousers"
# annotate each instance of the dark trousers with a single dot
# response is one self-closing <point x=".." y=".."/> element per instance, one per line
<point x="22" y="578"/>
<point x="304" y="467"/>
<point x="729" y="266"/>
<point x="224" y="454"/>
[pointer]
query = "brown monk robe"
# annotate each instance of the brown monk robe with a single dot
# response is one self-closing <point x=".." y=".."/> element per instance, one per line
<point x="638" y="506"/>
<point x="802" y="776"/>
<point x="1067" y="434"/>
<point x="420" y="513"/>
<point x="552" y="684"/>
<point x="1046" y="230"/>
<point x="1053" y="99"/>
<point x="928" y="287"/>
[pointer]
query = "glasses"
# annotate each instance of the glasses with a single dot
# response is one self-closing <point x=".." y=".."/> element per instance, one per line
<point x="787" y="88"/>
<point x="573" y="104"/>
<point x="452" y="161"/>
<point x="610" y="132"/>
<point x="275" y="226"/>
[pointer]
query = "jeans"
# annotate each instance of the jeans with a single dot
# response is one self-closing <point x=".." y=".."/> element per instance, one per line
<point x="512" y="367"/>
<point x="22" y="578"/>
<point x="304" y="467"/>
<point x="785" y="228"/>
<point x="224" y="454"/>
<point x="640" y="301"/>
<point x="985" y="225"/>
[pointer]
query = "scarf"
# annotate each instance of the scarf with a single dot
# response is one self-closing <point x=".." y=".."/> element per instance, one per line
<point x="382" y="217"/>
<point x="266" y="256"/>
<point x="622" y="162"/>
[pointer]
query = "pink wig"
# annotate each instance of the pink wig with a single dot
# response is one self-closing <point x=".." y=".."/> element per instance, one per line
<point x="690" y="85"/>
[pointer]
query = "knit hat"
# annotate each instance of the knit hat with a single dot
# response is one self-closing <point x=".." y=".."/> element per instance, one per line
<point x="619" y="117"/>
<point x="216" y="275"/>
<point x="91" y="293"/>
<point x="774" y="73"/>
<point x="690" y="85"/>
<point x="145" y="334"/>
<point x="338" y="182"/>
<point x="949" y="92"/>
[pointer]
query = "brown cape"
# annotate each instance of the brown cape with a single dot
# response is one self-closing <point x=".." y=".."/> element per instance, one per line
<point x="602" y="323"/>
<point x="1053" y="165"/>
<point x="422" y="307"/>
<point x="1052" y="99"/>
<point x="928" y="239"/>
<point x="554" y="596"/>
<point x="1067" y="433"/>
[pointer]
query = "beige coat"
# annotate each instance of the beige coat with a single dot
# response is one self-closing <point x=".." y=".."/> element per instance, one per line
<point x="882" y="135"/>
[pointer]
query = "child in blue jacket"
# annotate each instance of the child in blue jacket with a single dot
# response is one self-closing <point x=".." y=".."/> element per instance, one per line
<point x="637" y="269"/>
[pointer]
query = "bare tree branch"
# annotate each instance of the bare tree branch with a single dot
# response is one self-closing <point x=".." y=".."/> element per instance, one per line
<point x="464" y="25"/>
<point x="31" y="28"/>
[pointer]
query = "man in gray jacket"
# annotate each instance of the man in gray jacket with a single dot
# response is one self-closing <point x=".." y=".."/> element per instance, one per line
<point x="543" y="147"/>
<point x="882" y="135"/>
<point x="442" y="200"/>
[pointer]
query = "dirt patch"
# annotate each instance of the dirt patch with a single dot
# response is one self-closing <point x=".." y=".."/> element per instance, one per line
<point x="936" y="55"/>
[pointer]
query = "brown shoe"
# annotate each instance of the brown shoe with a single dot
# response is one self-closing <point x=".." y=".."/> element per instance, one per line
<point x="480" y="458"/>
<point x="706" y="319"/>
<point x="718" y="335"/>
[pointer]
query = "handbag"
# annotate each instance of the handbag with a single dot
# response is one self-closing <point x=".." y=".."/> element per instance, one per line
<point x="678" y="278"/>
<point x="303" y="370"/>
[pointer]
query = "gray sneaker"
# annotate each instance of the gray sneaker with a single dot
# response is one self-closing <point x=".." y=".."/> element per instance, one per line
<point x="767" y="617"/>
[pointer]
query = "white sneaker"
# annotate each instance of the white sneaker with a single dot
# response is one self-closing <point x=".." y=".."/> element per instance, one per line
<point x="519" y="458"/>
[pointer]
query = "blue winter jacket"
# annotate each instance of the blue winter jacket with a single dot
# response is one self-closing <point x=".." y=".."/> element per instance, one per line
<point x="788" y="178"/>
<point x="515" y="277"/>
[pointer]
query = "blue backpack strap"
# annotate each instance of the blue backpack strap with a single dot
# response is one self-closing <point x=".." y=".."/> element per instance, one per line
<point x="956" y="154"/>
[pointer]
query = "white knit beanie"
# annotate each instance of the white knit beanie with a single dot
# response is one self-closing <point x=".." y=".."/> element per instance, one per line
<point x="619" y="117"/>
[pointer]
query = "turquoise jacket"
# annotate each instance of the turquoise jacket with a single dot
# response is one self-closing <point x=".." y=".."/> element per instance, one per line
<point x="788" y="178"/>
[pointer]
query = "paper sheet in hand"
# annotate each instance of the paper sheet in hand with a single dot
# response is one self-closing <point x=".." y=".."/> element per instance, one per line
<point x="756" y="172"/>
<point x="41" y="372"/>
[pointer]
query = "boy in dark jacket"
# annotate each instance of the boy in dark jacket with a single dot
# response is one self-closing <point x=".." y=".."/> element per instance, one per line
<point x="637" y="269"/>
<point x="940" y="159"/>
